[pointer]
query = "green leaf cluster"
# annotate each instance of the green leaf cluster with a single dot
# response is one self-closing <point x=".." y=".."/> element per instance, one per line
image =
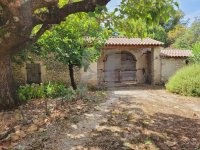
<point x="177" y="32"/>
<point x="136" y="17"/>
<point x="196" y="53"/>
<point x="50" y="90"/>
<point x="76" y="41"/>
<point x="190" y="36"/>
<point x="168" y="32"/>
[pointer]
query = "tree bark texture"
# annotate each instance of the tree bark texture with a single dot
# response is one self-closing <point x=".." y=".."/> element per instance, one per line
<point x="71" y="74"/>
<point x="6" y="84"/>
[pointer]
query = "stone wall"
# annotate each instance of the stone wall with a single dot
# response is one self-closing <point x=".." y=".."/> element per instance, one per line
<point x="51" y="70"/>
<point x="90" y="76"/>
<point x="169" y="66"/>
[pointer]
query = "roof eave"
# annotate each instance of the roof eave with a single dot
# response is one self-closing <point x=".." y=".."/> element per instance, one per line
<point x="174" y="56"/>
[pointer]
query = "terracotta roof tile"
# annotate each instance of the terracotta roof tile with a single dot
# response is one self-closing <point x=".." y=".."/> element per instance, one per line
<point x="123" y="41"/>
<point x="175" y="53"/>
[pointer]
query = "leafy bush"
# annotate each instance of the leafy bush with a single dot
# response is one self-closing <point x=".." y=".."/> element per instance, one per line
<point x="186" y="81"/>
<point x="196" y="53"/>
<point x="30" y="92"/>
<point x="55" y="90"/>
<point x="50" y="90"/>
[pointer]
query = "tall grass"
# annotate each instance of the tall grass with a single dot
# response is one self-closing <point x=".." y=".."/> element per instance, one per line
<point x="186" y="81"/>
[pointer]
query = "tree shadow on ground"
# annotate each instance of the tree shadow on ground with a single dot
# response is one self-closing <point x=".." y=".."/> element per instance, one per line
<point x="169" y="131"/>
<point x="131" y="128"/>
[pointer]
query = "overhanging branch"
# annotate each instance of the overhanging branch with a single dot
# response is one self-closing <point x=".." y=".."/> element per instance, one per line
<point x="59" y="15"/>
<point x="37" y="4"/>
<point x="39" y="33"/>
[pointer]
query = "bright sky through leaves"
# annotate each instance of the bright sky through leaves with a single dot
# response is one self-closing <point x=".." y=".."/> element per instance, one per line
<point x="191" y="8"/>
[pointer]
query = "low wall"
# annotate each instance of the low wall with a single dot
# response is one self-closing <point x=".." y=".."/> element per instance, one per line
<point x="51" y="70"/>
<point x="169" y="66"/>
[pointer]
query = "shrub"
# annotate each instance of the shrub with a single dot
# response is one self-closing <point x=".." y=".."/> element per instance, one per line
<point x="54" y="90"/>
<point x="30" y="92"/>
<point x="186" y="81"/>
<point x="50" y="90"/>
<point x="196" y="53"/>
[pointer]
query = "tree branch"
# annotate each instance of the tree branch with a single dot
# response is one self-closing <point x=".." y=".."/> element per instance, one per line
<point x="37" y="4"/>
<point x="29" y="41"/>
<point x="39" y="33"/>
<point x="59" y="15"/>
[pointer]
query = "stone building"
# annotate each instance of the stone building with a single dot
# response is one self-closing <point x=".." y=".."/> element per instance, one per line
<point x="127" y="60"/>
<point x="122" y="61"/>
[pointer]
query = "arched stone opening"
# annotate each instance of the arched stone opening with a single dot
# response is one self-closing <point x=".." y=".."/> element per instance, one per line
<point x="120" y="67"/>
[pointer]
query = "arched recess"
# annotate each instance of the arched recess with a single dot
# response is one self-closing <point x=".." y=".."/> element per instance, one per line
<point x="120" y="67"/>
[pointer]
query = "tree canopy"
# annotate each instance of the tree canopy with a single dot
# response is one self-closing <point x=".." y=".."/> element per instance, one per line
<point x="167" y="32"/>
<point x="74" y="43"/>
<point x="190" y="36"/>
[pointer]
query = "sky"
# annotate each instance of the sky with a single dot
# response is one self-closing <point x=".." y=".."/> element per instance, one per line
<point x="191" y="8"/>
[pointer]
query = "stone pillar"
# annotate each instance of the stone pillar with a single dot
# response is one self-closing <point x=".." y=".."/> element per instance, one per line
<point x="156" y="65"/>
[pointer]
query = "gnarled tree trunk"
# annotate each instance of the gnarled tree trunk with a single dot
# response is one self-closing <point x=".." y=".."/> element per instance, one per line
<point x="6" y="83"/>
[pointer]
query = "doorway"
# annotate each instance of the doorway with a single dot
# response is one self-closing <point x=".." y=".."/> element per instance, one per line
<point x="120" y="67"/>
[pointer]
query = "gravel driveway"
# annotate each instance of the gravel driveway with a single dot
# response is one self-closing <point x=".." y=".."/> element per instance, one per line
<point x="140" y="117"/>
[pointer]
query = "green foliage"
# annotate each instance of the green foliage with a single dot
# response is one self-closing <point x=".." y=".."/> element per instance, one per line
<point x="184" y="41"/>
<point x="167" y="32"/>
<point x="158" y="33"/>
<point x="31" y="92"/>
<point x="69" y="43"/>
<point x="186" y="81"/>
<point x="50" y="90"/>
<point x="177" y="32"/>
<point x="54" y="90"/>
<point x="190" y="37"/>
<point x="196" y="53"/>
<point x="175" y="19"/>
<point x="132" y="18"/>
<point x="75" y="42"/>
<point x="135" y="18"/>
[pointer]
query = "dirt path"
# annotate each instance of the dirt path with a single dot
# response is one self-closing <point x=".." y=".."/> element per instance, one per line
<point x="132" y="118"/>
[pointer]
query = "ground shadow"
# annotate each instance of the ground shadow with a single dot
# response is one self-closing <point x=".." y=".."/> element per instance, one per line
<point x="170" y="131"/>
<point x="130" y="128"/>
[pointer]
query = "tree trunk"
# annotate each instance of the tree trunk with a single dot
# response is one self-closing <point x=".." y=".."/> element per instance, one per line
<point x="71" y="74"/>
<point x="7" y="88"/>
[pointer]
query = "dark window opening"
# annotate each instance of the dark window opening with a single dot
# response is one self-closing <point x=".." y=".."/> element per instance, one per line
<point x="33" y="73"/>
